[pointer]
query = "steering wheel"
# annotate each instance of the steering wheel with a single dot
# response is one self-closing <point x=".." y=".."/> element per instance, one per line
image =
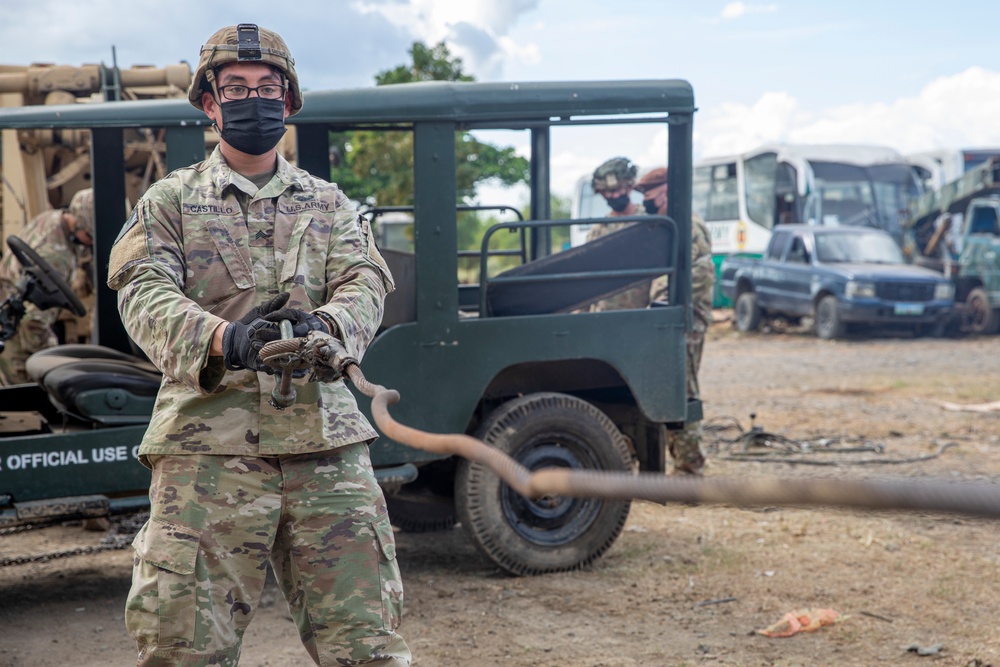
<point x="46" y="288"/>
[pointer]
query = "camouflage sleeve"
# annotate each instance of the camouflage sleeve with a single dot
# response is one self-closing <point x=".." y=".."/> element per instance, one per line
<point x="599" y="229"/>
<point x="147" y="270"/>
<point x="60" y="256"/>
<point x="702" y="266"/>
<point x="702" y="275"/>
<point x="360" y="280"/>
<point x="45" y="236"/>
<point x="596" y="231"/>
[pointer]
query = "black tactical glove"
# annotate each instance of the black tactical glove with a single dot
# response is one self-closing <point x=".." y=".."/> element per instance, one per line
<point x="302" y="322"/>
<point x="243" y="339"/>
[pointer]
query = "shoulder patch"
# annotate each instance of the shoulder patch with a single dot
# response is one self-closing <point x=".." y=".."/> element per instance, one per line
<point x="129" y="249"/>
<point x="130" y="223"/>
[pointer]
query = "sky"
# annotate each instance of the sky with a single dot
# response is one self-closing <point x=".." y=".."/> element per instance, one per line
<point x="911" y="75"/>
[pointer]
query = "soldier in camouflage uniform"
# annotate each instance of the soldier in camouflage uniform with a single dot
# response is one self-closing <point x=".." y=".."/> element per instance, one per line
<point x="237" y="482"/>
<point x="62" y="238"/>
<point x="685" y="445"/>
<point x="614" y="180"/>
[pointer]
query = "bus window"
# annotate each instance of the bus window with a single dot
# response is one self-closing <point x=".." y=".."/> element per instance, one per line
<point x="845" y="194"/>
<point x="700" y="185"/>
<point x="723" y="198"/>
<point x="760" y="173"/>
<point x="787" y="202"/>
<point x="875" y="196"/>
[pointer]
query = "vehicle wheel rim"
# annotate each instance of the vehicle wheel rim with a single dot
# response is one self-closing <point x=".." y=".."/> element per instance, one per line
<point x="978" y="313"/>
<point x="550" y="521"/>
<point x="823" y="319"/>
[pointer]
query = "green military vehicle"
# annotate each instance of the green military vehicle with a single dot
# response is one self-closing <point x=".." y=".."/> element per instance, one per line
<point x="513" y="357"/>
<point x="956" y="230"/>
<point x="977" y="278"/>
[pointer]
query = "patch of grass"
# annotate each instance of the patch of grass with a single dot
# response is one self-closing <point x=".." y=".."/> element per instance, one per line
<point x="947" y="587"/>
<point x="721" y="556"/>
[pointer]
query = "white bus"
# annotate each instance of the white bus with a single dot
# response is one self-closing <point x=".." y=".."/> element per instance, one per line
<point x="742" y="197"/>
<point x="939" y="167"/>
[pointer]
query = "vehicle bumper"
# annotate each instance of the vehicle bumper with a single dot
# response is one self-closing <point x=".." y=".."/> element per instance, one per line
<point x="892" y="312"/>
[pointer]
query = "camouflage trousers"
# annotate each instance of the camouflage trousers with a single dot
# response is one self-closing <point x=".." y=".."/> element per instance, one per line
<point x="216" y="521"/>
<point x="684" y="445"/>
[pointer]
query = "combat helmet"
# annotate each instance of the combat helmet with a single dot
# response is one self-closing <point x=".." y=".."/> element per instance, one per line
<point x="81" y="206"/>
<point x="613" y="174"/>
<point x="243" y="43"/>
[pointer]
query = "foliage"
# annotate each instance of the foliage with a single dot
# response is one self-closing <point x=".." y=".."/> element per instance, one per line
<point x="471" y="229"/>
<point x="429" y="64"/>
<point x="377" y="167"/>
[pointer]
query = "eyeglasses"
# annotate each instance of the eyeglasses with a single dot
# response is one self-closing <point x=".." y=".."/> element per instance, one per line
<point x="269" y="91"/>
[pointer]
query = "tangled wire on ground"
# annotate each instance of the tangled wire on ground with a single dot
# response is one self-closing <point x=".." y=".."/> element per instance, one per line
<point x="762" y="446"/>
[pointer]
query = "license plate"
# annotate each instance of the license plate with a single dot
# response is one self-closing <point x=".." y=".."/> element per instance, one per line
<point x="909" y="309"/>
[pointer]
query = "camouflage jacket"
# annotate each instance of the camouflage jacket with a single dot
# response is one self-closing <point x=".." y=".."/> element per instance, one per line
<point x="634" y="296"/>
<point x="189" y="259"/>
<point x="48" y="237"/>
<point x="702" y="276"/>
<point x="702" y="273"/>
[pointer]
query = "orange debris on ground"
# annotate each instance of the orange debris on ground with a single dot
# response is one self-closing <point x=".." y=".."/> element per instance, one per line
<point x="802" y="620"/>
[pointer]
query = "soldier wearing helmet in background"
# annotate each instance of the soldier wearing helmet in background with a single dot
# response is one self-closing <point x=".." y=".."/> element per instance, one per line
<point x="63" y="238"/>
<point x="210" y="260"/>
<point x="614" y="181"/>
<point x="685" y="445"/>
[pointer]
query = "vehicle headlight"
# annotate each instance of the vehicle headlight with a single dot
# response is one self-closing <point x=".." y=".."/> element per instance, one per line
<point x="857" y="289"/>
<point x="944" y="291"/>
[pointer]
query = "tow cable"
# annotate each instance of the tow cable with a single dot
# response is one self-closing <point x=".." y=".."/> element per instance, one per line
<point x="296" y="356"/>
<point x="326" y="363"/>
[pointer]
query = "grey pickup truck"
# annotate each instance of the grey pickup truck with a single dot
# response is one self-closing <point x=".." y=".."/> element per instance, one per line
<point x="839" y="276"/>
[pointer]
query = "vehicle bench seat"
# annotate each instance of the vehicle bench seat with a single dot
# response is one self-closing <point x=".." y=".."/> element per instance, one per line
<point x="639" y="246"/>
<point x="96" y="383"/>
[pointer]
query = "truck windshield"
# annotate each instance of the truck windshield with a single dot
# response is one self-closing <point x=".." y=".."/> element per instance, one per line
<point x="857" y="248"/>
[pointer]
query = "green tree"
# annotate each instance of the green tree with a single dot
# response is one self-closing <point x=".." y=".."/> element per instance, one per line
<point x="429" y="64"/>
<point x="471" y="233"/>
<point x="377" y="167"/>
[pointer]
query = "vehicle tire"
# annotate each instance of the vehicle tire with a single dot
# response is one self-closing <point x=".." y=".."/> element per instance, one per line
<point x="421" y="513"/>
<point x="550" y="534"/>
<point x="829" y="326"/>
<point x="981" y="317"/>
<point x="747" y="312"/>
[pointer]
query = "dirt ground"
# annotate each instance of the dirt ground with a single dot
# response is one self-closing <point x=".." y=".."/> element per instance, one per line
<point x="683" y="585"/>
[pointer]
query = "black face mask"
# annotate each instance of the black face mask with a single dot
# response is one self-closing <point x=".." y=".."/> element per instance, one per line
<point x="650" y="206"/>
<point x="619" y="203"/>
<point x="254" y="125"/>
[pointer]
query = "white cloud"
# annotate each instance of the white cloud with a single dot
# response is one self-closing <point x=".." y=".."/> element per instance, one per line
<point x="949" y="112"/>
<point x="735" y="10"/>
<point x="474" y="30"/>
<point x="734" y="128"/>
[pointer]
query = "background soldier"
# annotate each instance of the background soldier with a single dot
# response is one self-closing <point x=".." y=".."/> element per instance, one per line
<point x="238" y="482"/>
<point x="685" y="445"/>
<point x="62" y="238"/>
<point x="614" y="180"/>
